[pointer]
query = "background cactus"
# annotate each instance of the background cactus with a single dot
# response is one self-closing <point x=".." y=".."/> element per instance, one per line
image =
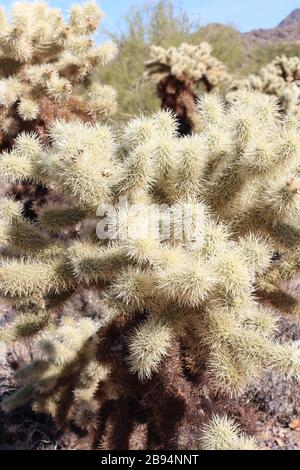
<point x="180" y="277"/>
<point x="279" y="78"/>
<point x="178" y="72"/>
<point x="49" y="69"/>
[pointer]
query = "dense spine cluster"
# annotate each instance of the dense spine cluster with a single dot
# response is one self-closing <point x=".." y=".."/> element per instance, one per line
<point x="193" y="224"/>
<point x="223" y="434"/>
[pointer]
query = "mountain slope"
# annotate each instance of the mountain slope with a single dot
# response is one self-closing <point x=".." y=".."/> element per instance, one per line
<point x="287" y="31"/>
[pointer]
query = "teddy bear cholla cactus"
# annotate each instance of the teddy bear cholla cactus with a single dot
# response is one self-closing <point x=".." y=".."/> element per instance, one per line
<point x="256" y="186"/>
<point x="181" y="304"/>
<point x="50" y="68"/>
<point x="178" y="72"/>
<point x="223" y="433"/>
<point x="279" y="78"/>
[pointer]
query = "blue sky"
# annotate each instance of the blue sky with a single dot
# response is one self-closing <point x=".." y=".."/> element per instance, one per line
<point x="244" y="14"/>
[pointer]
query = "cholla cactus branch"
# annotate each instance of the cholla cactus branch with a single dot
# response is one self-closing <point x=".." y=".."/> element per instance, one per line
<point x="179" y="275"/>
<point x="49" y="63"/>
<point x="178" y="72"/>
<point x="224" y="434"/>
<point x="279" y="78"/>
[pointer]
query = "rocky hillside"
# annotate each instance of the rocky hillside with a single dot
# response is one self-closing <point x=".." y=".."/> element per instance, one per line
<point x="287" y="31"/>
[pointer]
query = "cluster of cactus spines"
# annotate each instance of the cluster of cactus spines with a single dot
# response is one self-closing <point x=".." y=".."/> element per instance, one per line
<point x="222" y="433"/>
<point x="195" y="224"/>
<point x="178" y="72"/>
<point x="279" y="78"/>
<point x="50" y="68"/>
